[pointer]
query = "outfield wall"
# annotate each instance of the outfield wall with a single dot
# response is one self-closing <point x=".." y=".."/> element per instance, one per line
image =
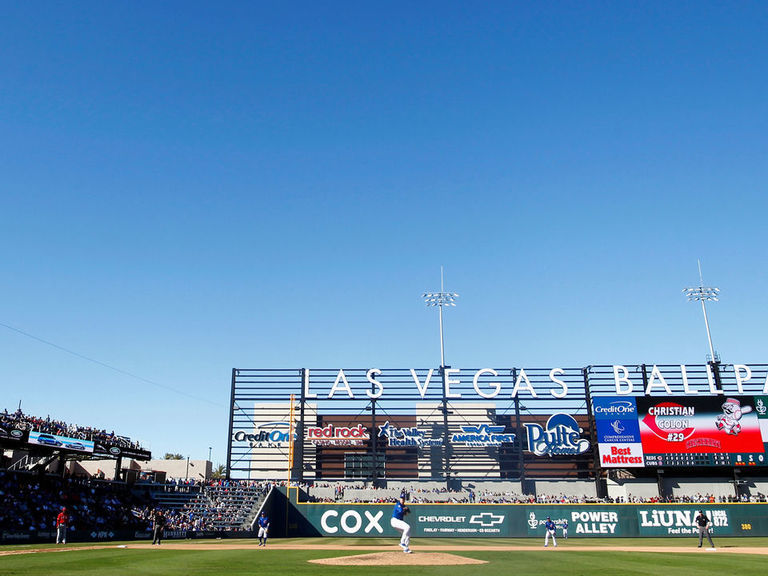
<point x="525" y="520"/>
<point x="124" y="534"/>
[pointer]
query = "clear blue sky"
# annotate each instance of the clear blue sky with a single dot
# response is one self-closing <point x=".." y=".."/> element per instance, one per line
<point x="188" y="187"/>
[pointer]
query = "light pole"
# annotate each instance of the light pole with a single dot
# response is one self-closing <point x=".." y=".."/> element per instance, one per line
<point x="703" y="294"/>
<point x="210" y="448"/>
<point x="440" y="299"/>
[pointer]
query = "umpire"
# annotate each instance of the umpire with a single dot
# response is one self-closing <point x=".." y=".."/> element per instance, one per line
<point x="158" y="526"/>
<point x="703" y="524"/>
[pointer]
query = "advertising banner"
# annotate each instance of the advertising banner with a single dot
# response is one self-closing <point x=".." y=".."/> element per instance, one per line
<point x="709" y="431"/>
<point x="682" y="431"/>
<point x="114" y="450"/>
<point x="680" y="521"/>
<point x="587" y="520"/>
<point x="618" y="432"/>
<point x="61" y="442"/>
<point x="331" y="435"/>
<point x="527" y="520"/>
<point x="9" y="433"/>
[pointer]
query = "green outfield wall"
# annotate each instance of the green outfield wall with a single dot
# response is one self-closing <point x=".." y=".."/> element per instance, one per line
<point x="523" y="520"/>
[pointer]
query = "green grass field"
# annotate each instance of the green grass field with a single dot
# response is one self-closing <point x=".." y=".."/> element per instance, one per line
<point x="110" y="560"/>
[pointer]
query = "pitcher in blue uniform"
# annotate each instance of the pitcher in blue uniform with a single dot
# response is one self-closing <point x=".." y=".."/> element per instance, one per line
<point x="397" y="522"/>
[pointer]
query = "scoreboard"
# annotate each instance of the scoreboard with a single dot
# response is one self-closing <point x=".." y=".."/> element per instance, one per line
<point x="682" y="431"/>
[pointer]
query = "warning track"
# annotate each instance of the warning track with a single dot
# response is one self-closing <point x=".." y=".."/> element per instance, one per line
<point x="446" y="548"/>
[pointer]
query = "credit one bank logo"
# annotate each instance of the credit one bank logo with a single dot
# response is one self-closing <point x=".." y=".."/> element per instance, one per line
<point x="269" y="434"/>
<point x="614" y="408"/>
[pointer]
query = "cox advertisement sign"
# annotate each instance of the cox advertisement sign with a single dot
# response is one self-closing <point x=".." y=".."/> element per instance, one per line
<point x="425" y="520"/>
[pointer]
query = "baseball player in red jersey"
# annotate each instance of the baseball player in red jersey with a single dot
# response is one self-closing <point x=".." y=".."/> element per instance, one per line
<point x="62" y="520"/>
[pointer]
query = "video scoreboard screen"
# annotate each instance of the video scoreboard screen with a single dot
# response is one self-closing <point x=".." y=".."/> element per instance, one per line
<point x="682" y="431"/>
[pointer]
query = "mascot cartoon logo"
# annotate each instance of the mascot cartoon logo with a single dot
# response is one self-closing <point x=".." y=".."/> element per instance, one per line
<point x="728" y="421"/>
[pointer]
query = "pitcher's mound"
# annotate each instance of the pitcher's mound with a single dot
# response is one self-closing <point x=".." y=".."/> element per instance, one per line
<point x="399" y="559"/>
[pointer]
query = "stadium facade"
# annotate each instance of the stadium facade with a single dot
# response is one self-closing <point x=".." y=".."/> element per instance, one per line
<point x="456" y="426"/>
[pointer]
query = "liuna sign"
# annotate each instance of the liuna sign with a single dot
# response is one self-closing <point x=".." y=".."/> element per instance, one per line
<point x="488" y="383"/>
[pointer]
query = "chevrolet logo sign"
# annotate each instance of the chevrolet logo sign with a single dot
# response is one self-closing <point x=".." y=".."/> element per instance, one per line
<point x="486" y="519"/>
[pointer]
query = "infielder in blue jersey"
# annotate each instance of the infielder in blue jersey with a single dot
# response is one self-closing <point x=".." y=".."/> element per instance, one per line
<point x="549" y="530"/>
<point x="565" y="529"/>
<point x="397" y="522"/>
<point x="263" y="528"/>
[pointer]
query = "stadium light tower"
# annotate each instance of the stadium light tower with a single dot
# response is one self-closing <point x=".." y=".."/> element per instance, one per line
<point x="704" y="294"/>
<point x="440" y="299"/>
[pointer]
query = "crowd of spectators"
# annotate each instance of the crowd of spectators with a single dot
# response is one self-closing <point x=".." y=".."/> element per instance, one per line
<point x="175" y="519"/>
<point x="213" y="505"/>
<point x="30" y="502"/>
<point x="470" y="496"/>
<point x="48" y="425"/>
<point x="692" y="499"/>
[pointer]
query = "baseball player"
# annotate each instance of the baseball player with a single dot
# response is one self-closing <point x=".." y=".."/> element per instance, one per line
<point x="158" y="525"/>
<point x="263" y="528"/>
<point x="703" y="524"/>
<point x="565" y="529"/>
<point x="62" y="521"/>
<point x="549" y="530"/>
<point x="397" y="522"/>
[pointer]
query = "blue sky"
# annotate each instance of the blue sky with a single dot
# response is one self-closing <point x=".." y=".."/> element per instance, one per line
<point x="188" y="188"/>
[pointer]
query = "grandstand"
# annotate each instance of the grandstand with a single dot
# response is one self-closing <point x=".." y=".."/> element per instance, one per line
<point x="643" y="445"/>
<point x="32" y="443"/>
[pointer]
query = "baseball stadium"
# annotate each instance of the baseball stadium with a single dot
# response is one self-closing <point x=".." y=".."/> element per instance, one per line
<point x="489" y="463"/>
<point x="218" y="220"/>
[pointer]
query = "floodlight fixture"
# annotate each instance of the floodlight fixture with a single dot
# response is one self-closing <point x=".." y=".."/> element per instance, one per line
<point x="704" y="294"/>
<point x="440" y="299"/>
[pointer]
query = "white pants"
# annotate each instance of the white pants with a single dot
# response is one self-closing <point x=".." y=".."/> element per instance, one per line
<point x="403" y="527"/>
<point x="262" y="532"/>
<point x="547" y="535"/>
<point x="61" y="534"/>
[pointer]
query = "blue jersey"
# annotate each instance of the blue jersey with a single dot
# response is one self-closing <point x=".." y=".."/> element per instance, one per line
<point x="399" y="511"/>
<point x="549" y="525"/>
<point x="263" y="521"/>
